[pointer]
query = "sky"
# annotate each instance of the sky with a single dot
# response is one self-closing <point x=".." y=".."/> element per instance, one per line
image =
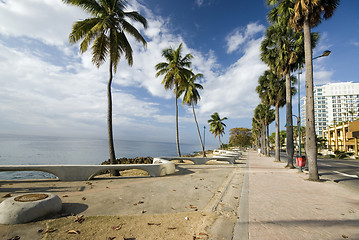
<point x="49" y="88"/>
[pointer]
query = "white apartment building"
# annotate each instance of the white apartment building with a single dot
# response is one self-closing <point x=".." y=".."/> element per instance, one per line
<point x="334" y="103"/>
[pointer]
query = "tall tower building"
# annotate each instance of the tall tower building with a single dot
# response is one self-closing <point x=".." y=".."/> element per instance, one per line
<point x="334" y="103"/>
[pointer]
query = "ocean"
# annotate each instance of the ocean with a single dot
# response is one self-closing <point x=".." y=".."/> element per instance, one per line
<point x="38" y="150"/>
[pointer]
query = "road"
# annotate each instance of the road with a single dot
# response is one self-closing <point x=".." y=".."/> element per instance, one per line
<point x="342" y="171"/>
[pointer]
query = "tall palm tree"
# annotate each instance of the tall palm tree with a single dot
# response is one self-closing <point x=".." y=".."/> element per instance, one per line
<point x="306" y="15"/>
<point x="272" y="91"/>
<point x="217" y="126"/>
<point x="106" y="29"/>
<point x="256" y="133"/>
<point x="175" y="71"/>
<point x="191" y="98"/>
<point x="263" y="115"/>
<point x="283" y="51"/>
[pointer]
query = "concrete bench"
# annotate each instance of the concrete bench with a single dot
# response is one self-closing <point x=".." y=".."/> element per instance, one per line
<point x="87" y="172"/>
<point x="227" y="153"/>
<point x="202" y="160"/>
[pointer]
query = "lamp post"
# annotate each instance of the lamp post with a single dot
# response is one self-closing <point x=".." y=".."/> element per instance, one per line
<point x="298" y="118"/>
<point x="299" y="136"/>
<point x="324" y="54"/>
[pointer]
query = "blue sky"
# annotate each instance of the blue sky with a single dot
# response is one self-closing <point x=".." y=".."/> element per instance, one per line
<point x="48" y="88"/>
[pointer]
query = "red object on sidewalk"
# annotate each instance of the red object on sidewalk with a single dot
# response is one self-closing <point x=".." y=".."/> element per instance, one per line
<point x="301" y="161"/>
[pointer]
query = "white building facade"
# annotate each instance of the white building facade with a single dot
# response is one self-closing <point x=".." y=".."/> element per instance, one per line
<point x="334" y="103"/>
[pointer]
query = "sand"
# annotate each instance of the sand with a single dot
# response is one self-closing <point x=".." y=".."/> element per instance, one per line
<point x="185" y="205"/>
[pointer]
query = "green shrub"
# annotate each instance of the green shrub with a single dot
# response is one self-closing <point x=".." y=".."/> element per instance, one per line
<point x="342" y="155"/>
<point x="337" y="152"/>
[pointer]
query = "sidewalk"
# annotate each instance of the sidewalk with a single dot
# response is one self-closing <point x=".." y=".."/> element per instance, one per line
<point x="284" y="205"/>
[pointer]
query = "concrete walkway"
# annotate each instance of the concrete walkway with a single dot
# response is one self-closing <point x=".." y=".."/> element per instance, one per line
<point x="284" y="205"/>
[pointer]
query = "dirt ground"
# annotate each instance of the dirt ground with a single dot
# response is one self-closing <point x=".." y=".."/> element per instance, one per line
<point x="135" y="207"/>
<point x="189" y="225"/>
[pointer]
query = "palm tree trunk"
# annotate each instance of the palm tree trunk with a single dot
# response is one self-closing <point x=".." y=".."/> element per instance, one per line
<point x="311" y="145"/>
<point x="289" y="134"/>
<point x="267" y="140"/>
<point x="220" y="143"/>
<point x="109" y="122"/>
<point x="263" y="139"/>
<point x="199" y="134"/>
<point x="277" y="140"/>
<point x="177" y="132"/>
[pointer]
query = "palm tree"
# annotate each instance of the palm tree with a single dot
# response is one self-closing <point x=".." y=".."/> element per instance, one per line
<point x="256" y="133"/>
<point x="191" y="98"/>
<point x="352" y="112"/>
<point x="306" y="15"/>
<point x="263" y="116"/>
<point x="217" y="126"/>
<point x="272" y="91"/>
<point x="283" y="51"/>
<point x="176" y="72"/>
<point x="107" y="29"/>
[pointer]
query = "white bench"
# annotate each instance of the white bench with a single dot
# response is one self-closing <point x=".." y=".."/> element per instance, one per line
<point x="229" y="153"/>
<point x="87" y="172"/>
<point x="201" y="160"/>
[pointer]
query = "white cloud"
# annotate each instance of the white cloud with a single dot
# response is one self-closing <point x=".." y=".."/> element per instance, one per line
<point x="241" y="35"/>
<point x="355" y="43"/>
<point x="46" y="20"/>
<point x="233" y="92"/>
<point x="68" y="96"/>
<point x="199" y="2"/>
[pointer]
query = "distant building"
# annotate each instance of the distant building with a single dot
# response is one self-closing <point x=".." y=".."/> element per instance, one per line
<point x="334" y="103"/>
<point x="343" y="137"/>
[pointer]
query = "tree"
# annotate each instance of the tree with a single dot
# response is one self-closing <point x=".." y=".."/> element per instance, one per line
<point x="306" y="15"/>
<point x="282" y="136"/>
<point x="352" y="112"/>
<point x="217" y="126"/>
<point x="107" y="29"/>
<point x="263" y="116"/>
<point x="240" y="137"/>
<point x="272" y="91"/>
<point x="191" y="98"/>
<point x="283" y="51"/>
<point x="256" y="133"/>
<point x="175" y="72"/>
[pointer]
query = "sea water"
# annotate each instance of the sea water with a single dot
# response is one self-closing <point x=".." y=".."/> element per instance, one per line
<point x="39" y="150"/>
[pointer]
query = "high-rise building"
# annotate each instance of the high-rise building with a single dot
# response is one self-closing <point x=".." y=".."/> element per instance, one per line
<point x="334" y="103"/>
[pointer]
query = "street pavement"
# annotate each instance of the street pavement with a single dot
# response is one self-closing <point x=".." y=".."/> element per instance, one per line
<point x="342" y="171"/>
<point x="284" y="205"/>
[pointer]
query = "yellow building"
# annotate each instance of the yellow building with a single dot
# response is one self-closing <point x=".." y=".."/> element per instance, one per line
<point x="343" y="137"/>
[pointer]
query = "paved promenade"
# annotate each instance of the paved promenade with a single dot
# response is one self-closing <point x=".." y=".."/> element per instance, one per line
<point x="284" y="205"/>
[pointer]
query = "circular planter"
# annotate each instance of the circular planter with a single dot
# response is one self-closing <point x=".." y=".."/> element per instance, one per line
<point x="28" y="207"/>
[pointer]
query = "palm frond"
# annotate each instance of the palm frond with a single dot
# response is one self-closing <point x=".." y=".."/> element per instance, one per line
<point x="136" y="17"/>
<point x="90" y="6"/>
<point x="100" y="49"/>
<point x="82" y="28"/>
<point x="125" y="47"/>
<point x="134" y="32"/>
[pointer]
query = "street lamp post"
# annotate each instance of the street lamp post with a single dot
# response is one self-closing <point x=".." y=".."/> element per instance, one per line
<point x="299" y="122"/>
<point x="324" y="54"/>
